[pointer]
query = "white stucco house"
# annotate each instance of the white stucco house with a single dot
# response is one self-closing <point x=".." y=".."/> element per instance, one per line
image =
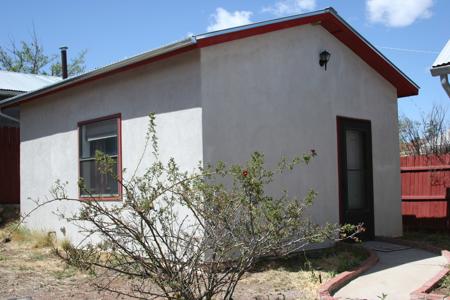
<point x="221" y="96"/>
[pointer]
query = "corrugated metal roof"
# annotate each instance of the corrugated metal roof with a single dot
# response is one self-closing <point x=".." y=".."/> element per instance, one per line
<point x="21" y="82"/>
<point x="443" y="58"/>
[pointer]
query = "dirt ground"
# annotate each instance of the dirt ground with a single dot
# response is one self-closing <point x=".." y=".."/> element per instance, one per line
<point x="31" y="270"/>
<point x="41" y="275"/>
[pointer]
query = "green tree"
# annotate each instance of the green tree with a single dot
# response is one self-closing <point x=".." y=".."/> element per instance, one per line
<point x="76" y="65"/>
<point x="30" y="57"/>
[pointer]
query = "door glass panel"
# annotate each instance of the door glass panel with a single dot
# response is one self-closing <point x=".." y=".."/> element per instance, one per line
<point x="354" y="142"/>
<point x="355" y="169"/>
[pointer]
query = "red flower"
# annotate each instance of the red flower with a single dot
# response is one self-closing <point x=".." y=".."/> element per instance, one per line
<point x="245" y="173"/>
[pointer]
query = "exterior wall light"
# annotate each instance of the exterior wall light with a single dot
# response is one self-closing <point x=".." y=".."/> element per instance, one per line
<point x="324" y="58"/>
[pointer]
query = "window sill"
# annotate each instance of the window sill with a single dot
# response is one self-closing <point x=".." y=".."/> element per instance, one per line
<point x="99" y="198"/>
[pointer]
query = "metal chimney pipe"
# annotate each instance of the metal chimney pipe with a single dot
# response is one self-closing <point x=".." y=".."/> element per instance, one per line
<point x="64" y="62"/>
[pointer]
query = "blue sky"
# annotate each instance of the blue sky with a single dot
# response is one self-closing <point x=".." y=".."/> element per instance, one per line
<point x="408" y="32"/>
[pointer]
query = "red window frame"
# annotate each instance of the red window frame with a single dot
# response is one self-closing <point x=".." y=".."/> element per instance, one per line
<point x="118" y="117"/>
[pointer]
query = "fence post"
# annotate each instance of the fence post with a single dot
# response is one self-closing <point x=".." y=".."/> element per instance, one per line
<point x="447" y="198"/>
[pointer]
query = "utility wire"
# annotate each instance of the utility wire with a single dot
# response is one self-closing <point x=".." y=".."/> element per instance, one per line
<point x="410" y="50"/>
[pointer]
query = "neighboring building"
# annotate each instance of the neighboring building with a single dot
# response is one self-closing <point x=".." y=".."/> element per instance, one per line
<point x="221" y="96"/>
<point x="441" y="68"/>
<point x="13" y="84"/>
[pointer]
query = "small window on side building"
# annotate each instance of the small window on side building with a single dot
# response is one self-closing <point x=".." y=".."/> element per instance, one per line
<point x="99" y="135"/>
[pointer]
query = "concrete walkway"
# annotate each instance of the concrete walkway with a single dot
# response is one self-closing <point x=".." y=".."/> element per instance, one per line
<point x="400" y="271"/>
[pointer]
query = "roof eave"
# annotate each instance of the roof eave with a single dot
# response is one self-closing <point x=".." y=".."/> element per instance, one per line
<point x="98" y="72"/>
<point x="10" y="93"/>
<point x="441" y="70"/>
<point x="409" y="87"/>
<point x="263" y="23"/>
<point x="405" y="86"/>
<point x="415" y="87"/>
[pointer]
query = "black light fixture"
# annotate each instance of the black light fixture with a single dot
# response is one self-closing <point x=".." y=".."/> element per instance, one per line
<point x="324" y="58"/>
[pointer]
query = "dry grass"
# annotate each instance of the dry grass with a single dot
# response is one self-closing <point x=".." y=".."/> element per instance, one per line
<point x="30" y="250"/>
<point x="437" y="239"/>
<point x="443" y="287"/>
<point x="28" y="267"/>
<point x="21" y="235"/>
<point x="302" y="274"/>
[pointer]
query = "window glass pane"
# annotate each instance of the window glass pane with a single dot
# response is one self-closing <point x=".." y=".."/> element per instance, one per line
<point x="97" y="183"/>
<point x="107" y="146"/>
<point x="101" y="136"/>
<point x="101" y="129"/>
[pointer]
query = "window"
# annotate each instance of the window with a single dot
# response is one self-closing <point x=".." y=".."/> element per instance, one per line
<point x="100" y="135"/>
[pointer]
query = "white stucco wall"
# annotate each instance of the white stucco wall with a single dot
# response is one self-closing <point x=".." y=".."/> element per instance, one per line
<point x="268" y="93"/>
<point x="264" y="93"/>
<point x="49" y="134"/>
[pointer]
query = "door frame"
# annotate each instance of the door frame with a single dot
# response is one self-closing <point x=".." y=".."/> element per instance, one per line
<point x="343" y="123"/>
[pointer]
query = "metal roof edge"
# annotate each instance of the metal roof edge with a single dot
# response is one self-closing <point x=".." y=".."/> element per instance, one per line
<point x="443" y="57"/>
<point x="190" y="41"/>
<point x="441" y="70"/>
<point x="378" y="52"/>
<point x="9" y="92"/>
<point x="262" y="23"/>
<point x="329" y="10"/>
<point x="108" y="68"/>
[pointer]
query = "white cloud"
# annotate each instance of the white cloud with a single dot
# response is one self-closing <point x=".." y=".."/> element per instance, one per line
<point x="398" y="13"/>
<point x="290" y="7"/>
<point x="224" y="19"/>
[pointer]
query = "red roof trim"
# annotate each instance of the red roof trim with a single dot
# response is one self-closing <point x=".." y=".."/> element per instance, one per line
<point x="109" y="73"/>
<point x="370" y="56"/>
<point x="342" y="32"/>
<point x="327" y="19"/>
<point x="227" y="37"/>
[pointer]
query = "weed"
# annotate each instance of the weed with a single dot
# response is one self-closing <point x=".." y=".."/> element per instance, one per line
<point x="37" y="256"/>
<point x="23" y="268"/>
<point x="342" y="259"/>
<point x="21" y="234"/>
<point x="65" y="273"/>
<point x="74" y="257"/>
<point x="43" y="240"/>
<point x="445" y="283"/>
<point x="437" y="239"/>
<point x="383" y="296"/>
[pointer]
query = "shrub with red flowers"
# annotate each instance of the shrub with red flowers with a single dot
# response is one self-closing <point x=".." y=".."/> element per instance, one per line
<point x="181" y="235"/>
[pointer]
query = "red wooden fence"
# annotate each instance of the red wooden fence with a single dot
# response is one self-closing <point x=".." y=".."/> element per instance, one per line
<point x="9" y="165"/>
<point x="425" y="191"/>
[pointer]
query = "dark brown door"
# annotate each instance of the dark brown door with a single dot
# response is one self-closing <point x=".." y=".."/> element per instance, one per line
<point x="355" y="174"/>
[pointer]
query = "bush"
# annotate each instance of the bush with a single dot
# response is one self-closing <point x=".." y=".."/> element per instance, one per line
<point x="180" y="235"/>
